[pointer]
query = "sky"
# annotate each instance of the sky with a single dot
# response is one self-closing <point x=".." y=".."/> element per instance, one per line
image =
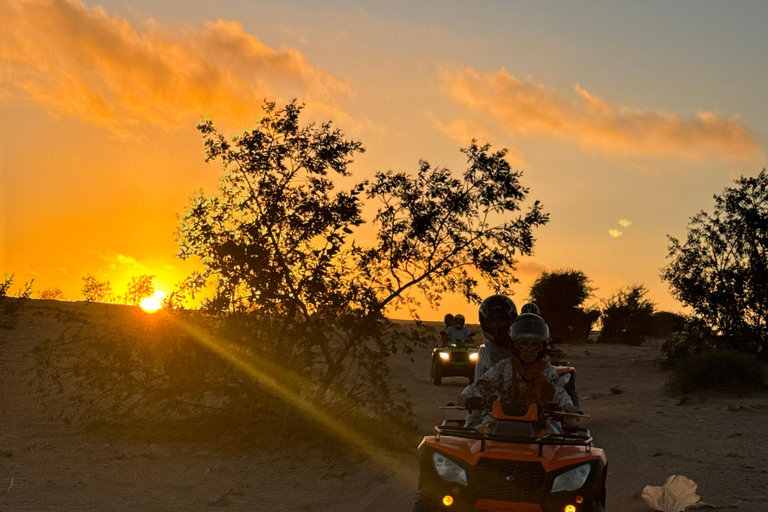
<point x="624" y="117"/>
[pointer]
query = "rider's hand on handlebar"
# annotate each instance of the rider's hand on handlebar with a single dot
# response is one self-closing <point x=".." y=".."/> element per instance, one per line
<point x="474" y="403"/>
<point x="571" y="421"/>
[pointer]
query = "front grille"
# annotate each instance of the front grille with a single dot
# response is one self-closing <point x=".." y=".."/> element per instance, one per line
<point x="459" y="357"/>
<point x="505" y="480"/>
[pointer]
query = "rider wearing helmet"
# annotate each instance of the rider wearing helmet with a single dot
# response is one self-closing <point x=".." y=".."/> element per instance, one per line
<point x="530" y="307"/>
<point x="449" y="321"/>
<point x="458" y="331"/>
<point x="525" y="377"/>
<point x="497" y="313"/>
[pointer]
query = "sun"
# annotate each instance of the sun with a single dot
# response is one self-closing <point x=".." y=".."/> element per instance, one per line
<point x="153" y="303"/>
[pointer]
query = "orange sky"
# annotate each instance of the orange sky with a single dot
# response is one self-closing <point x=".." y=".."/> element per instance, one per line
<point x="624" y="125"/>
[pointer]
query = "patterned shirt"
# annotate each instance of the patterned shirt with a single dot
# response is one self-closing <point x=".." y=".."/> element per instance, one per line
<point x="498" y="384"/>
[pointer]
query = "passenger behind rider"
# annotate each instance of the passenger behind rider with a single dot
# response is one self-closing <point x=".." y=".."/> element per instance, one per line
<point x="449" y="321"/>
<point x="458" y="331"/>
<point x="525" y="377"/>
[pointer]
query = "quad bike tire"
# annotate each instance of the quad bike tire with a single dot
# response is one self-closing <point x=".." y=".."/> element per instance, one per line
<point x="437" y="373"/>
<point x="424" y="503"/>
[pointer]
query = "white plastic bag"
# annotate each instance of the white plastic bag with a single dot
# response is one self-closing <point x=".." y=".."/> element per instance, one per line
<point x="677" y="494"/>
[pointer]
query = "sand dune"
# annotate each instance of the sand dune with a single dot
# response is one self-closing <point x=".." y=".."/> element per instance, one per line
<point x="718" y="441"/>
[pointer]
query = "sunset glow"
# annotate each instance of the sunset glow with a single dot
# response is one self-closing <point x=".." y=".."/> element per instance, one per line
<point x="153" y="303"/>
<point x="604" y="111"/>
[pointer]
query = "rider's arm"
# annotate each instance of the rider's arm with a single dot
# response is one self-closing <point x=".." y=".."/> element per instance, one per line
<point x="562" y="398"/>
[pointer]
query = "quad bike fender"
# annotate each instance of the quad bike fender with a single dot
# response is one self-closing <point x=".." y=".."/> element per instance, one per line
<point x="552" y="458"/>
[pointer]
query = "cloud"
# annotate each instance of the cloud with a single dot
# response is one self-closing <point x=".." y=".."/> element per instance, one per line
<point x="625" y="223"/>
<point x="85" y="63"/>
<point x="531" y="266"/>
<point x="525" y="107"/>
<point x="462" y="131"/>
<point x="615" y="233"/>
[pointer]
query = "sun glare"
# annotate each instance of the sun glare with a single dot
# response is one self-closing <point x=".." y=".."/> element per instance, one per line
<point x="153" y="303"/>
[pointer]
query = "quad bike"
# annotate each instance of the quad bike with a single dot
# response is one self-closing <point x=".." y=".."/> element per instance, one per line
<point x="515" y="465"/>
<point x="455" y="359"/>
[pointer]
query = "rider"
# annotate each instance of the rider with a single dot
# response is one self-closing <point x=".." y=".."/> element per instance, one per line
<point x="449" y="321"/>
<point x="497" y="313"/>
<point x="530" y="307"/>
<point x="458" y="331"/>
<point x="525" y="377"/>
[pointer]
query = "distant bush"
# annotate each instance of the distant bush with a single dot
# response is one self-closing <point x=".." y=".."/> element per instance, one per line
<point x="10" y="306"/>
<point x="52" y="293"/>
<point x="95" y="290"/>
<point x="720" y="370"/>
<point x="627" y="316"/>
<point x="664" y="324"/>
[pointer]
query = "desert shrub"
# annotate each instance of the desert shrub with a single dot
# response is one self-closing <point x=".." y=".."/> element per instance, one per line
<point x="627" y="317"/>
<point x="139" y="288"/>
<point x="719" y="370"/>
<point x="186" y="375"/>
<point x="52" y="293"/>
<point x="95" y="290"/>
<point x="11" y="306"/>
<point x="664" y="324"/>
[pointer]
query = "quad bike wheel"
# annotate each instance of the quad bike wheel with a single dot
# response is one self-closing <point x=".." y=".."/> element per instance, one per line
<point x="424" y="503"/>
<point x="437" y="373"/>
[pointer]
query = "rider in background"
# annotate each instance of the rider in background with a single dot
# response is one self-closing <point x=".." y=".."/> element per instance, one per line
<point x="526" y="377"/>
<point x="458" y="331"/>
<point x="449" y="321"/>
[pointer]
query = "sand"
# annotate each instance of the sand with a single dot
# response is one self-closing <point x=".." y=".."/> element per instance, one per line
<point x="46" y="465"/>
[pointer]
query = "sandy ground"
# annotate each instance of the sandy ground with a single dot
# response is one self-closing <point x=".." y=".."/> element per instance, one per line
<point x="718" y="441"/>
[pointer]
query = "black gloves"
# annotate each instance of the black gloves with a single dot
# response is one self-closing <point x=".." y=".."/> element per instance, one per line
<point x="474" y="403"/>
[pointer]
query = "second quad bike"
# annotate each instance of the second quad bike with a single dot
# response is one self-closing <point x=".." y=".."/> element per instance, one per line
<point x="458" y="358"/>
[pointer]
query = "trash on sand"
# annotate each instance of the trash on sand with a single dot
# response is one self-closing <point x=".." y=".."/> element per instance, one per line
<point x="677" y="494"/>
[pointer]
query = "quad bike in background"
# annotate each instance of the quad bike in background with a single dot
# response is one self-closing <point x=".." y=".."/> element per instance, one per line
<point x="457" y="358"/>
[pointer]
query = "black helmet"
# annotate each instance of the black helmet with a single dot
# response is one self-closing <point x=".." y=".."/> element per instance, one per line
<point x="449" y="319"/>
<point x="497" y="313"/>
<point x="529" y="326"/>
<point x="530" y="307"/>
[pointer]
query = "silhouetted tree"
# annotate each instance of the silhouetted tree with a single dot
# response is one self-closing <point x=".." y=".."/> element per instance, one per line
<point x="277" y="249"/>
<point x="627" y="316"/>
<point x="560" y="295"/>
<point x="721" y="270"/>
<point x="95" y="290"/>
<point x="139" y="288"/>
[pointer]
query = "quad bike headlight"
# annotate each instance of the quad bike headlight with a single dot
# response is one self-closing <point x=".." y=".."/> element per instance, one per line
<point x="473" y="356"/>
<point x="449" y="470"/>
<point x="572" y="479"/>
<point x="445" y="356"/>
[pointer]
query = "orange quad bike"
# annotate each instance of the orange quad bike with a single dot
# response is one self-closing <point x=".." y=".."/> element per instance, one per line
<point x="515" y="465"/>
